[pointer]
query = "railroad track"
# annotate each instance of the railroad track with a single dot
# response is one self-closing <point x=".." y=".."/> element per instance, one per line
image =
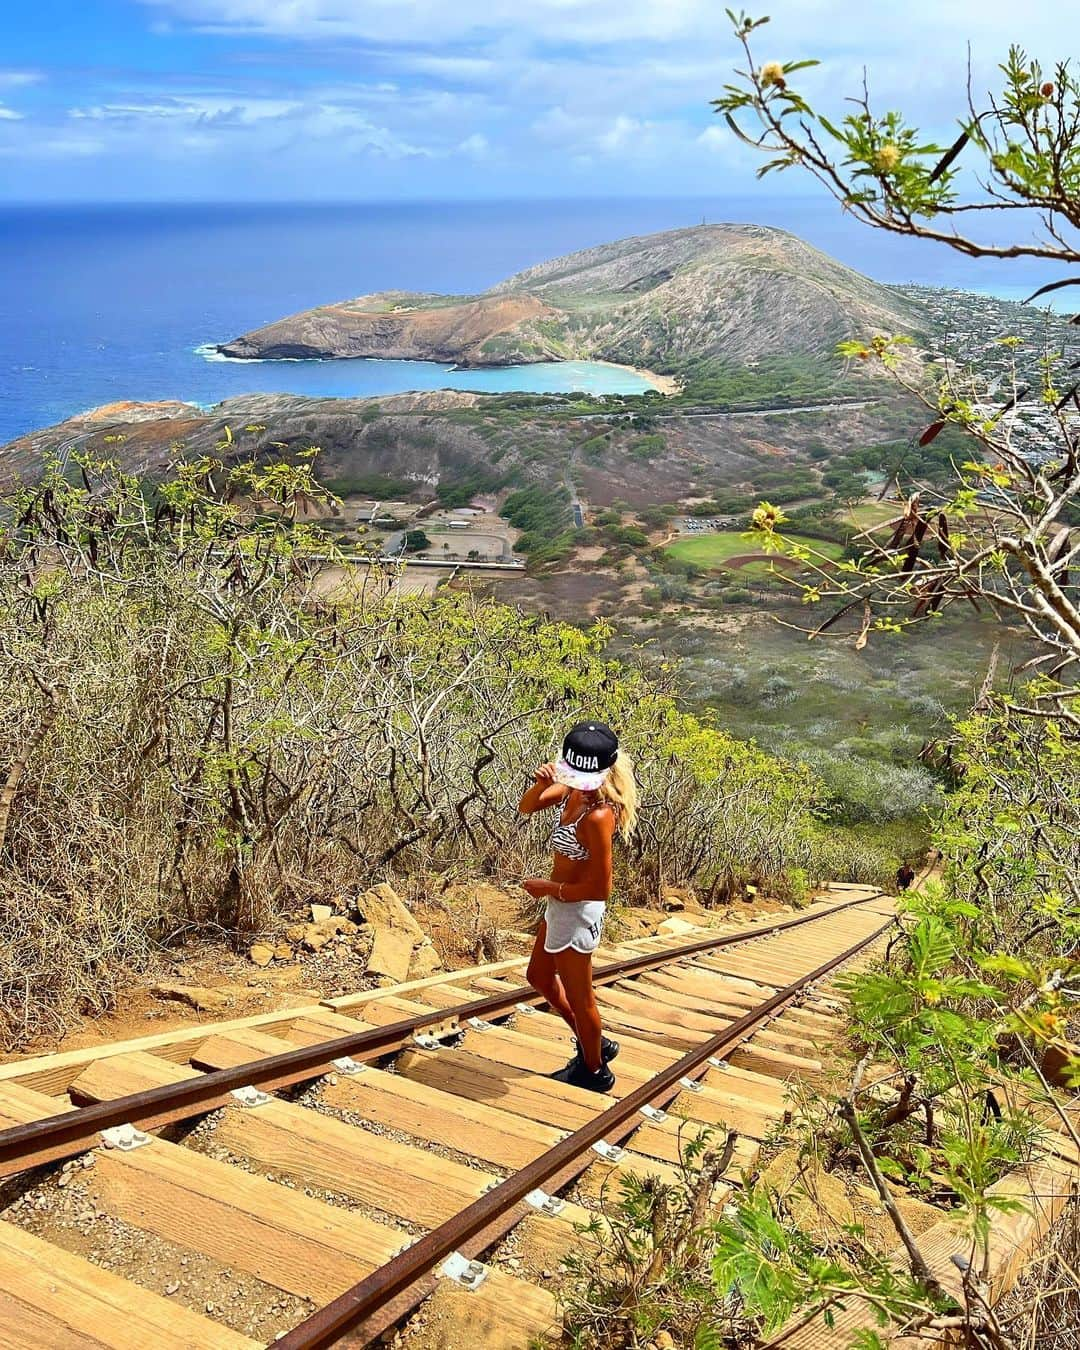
<point x="360" y="1156"/>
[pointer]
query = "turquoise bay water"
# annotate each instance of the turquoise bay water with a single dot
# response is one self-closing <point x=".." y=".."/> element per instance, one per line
<point x="100" y="303"/>
<point x="349" y="378"/>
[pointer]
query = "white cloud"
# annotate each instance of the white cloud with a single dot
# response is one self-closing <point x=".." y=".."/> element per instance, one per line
<point x="19" y="79"/>
<point x="16" y="79"/>
<point x="34" y="144"/>
<point x="715" y="138"/>
<point x="436" y="20"/>
<point x="355" y="132"/>
<point x="467" y="68"/>
<point x="614" y="88"/>
<point x="622" y="132"/>
<point x="556" y="124"/>
<point x="927" y="30"/>
<point x="476" y="146"/>
<point x="203" y="123"/>
<point x="587" y="137"/>
<point x="199" y="108"/>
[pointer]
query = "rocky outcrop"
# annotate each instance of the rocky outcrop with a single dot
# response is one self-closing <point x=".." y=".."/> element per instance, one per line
<point x="196" y="996"/>
<point x="409" y="439"/>
<point x="382" y="907"/>
<point x="391" y="956"/>
<point x="482" y="332"/>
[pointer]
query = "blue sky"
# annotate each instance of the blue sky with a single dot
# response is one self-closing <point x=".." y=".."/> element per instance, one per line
<point x="383" y="99"/>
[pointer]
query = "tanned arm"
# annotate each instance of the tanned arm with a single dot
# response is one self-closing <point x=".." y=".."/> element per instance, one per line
<point x="544" y="793"/>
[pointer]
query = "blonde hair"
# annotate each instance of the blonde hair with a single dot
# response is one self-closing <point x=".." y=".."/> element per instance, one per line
<point x="620" y="789"/>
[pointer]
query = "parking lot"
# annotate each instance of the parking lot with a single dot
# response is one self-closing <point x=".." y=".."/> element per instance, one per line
<point x="705" y="524"/>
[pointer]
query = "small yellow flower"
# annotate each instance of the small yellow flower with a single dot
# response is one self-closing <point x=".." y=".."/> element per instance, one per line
<point x="772" y="73"/>
<point x="1047" y="1024"/>
<point x="768" y="517"/>
<point x="887" y="157"/>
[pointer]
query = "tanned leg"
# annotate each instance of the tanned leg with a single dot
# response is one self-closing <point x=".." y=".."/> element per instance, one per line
<point x="575" y="973"/>
<point x="544" y="978"/>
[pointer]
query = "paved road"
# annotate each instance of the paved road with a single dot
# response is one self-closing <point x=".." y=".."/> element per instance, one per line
<point x="411" y="560"/>
<point x="774" y="412"/>
<point x="749" y="412"/>
<point x="577" y="506"/>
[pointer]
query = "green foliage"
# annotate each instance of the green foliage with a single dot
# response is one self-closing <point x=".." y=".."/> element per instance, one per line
<point x="870" y="854"/>
<point x="543" y="514"/>
<point x="1037" y="156"/>
<point x="906" y="460"/>
<point x="869" y="789"/>
<point x="954" y="1023"/>
<point x="416" y="541"/>
<point x="774" y="1268"/>
<point x="772" y="382"/>
<point x="729" y="504"/>
<point x="538" y="508"/>
<point x="647" y="1268"/>
<point x="648" y="447"/>
<point x="627" y="534"/>
<point x="544" y="550"/>
<point x="771" y="1266"/>
<point x="476" y="481"/>
<point x="977" y="975"/>
<point x="886" y="160"/>
<point x="654" y="517"/>
<point x="382" y="487"/>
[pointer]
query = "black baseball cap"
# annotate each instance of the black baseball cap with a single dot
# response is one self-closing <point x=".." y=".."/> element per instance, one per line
<point x="588" y="752"/>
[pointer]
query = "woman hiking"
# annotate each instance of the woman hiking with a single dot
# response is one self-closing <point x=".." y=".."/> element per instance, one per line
<point x="593" y="790"/>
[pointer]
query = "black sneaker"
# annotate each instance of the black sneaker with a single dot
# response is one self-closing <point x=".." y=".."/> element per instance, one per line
<point x="608" y="1050"/>
<point x="578" y="1074"/>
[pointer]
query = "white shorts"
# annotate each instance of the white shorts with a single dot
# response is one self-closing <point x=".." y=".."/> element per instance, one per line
<point x="574" y="923"/>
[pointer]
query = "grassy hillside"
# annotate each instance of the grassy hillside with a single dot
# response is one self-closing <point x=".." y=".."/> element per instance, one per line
<point x="689" y="301"/>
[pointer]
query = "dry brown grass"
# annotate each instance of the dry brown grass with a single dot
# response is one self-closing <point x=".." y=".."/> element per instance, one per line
<point x="1042" y="1311"/>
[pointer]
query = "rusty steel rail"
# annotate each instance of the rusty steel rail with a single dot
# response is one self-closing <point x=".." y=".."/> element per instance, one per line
<point x="565" y="1160"/>
<point x="74" y="1131"/>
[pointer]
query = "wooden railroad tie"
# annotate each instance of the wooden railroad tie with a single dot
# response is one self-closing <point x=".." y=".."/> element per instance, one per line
<point x="432" y="1118"/>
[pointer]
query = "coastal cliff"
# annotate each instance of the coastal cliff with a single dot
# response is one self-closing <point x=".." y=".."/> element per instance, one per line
<point x="397" y="326"/>
<point x="731" y="293"/>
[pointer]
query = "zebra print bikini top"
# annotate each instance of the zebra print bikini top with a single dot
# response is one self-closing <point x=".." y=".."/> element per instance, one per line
<point x="564" y="839"/>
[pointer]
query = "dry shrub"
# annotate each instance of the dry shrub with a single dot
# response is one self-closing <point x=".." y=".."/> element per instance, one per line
<point x="1042" y="1312"/>
<point x="190" y="737"/>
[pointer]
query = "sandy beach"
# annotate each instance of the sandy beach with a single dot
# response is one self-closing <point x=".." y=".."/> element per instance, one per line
<point x="667" y="384"/>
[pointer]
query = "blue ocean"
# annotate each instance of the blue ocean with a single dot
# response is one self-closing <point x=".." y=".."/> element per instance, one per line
<point x="99" y="303"/>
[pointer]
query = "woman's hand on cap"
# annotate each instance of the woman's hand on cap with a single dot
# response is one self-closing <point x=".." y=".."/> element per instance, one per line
<point x="545" y="773"/>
